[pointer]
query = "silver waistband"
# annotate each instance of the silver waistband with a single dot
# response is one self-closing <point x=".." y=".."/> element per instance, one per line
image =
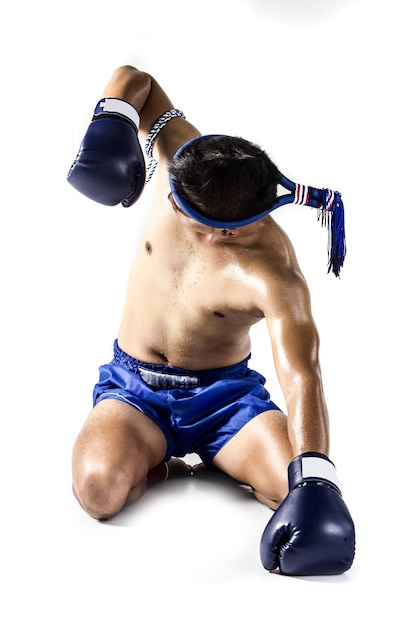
<point x="168" y="381"/>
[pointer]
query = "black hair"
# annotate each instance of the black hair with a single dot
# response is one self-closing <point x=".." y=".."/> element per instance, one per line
<point x="226" y="178"/>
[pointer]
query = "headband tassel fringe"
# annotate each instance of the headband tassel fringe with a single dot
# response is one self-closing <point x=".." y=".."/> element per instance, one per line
<point x="331" y="213"/>
<point x="333" y="217"/>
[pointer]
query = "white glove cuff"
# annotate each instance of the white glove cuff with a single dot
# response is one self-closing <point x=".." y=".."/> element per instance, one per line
<point x="312" y="467"/>
<point x="115" y="105"/>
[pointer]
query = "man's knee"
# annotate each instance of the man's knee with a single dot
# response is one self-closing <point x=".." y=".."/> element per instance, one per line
<point x="102" y="491"/>
<point x="272" y="499"/>
<point x="270" y="485"/>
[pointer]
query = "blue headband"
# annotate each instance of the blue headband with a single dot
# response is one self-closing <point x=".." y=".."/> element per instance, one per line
<point x="329" y="204"/>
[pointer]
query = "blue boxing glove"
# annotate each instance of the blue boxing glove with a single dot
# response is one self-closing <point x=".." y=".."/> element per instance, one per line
<point x="312" y="532"/>
<point x="110" y="167"/>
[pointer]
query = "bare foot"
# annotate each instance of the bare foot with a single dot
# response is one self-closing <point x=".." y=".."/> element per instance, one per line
<point x="201" y="471"/>
<point x="177" y="468"/>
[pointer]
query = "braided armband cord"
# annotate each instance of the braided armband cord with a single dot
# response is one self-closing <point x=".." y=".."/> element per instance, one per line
<point x="154" y="132"/>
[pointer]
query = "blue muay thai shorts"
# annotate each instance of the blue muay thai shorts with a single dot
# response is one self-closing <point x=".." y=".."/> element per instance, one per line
<point x="197" y="411"/>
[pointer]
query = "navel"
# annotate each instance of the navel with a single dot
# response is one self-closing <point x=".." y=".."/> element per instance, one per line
<point x="148" y="247"/>
<point x="218" y="314"/>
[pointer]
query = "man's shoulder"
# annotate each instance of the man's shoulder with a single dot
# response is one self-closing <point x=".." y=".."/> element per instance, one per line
<point x="277" y="266"/>
<point x="276" y="250"/>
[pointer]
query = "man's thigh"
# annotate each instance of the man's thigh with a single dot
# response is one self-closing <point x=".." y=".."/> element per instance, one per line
<point x="258" y="455"/>
<point x="120" y="436"/>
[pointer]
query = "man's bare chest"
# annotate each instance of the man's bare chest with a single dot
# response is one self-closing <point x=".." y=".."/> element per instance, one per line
<point x="196" y="282"/>
<point x="205" y="284"/>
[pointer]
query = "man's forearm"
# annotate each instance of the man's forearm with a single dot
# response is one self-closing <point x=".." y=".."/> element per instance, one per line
<point x="308" y="422"/>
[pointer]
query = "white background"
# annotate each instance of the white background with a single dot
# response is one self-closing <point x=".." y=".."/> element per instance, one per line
<point x="327" y="87"/>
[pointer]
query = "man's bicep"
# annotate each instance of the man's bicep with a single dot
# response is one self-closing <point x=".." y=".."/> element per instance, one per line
<point x="292" y="330"/>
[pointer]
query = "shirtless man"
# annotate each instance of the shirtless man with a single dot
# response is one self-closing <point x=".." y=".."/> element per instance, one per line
<point x="179" y="381"/>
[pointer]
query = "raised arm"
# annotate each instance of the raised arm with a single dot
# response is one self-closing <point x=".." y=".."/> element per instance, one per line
<point x="150" y="101"/>
<point x="110" y="166"/>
